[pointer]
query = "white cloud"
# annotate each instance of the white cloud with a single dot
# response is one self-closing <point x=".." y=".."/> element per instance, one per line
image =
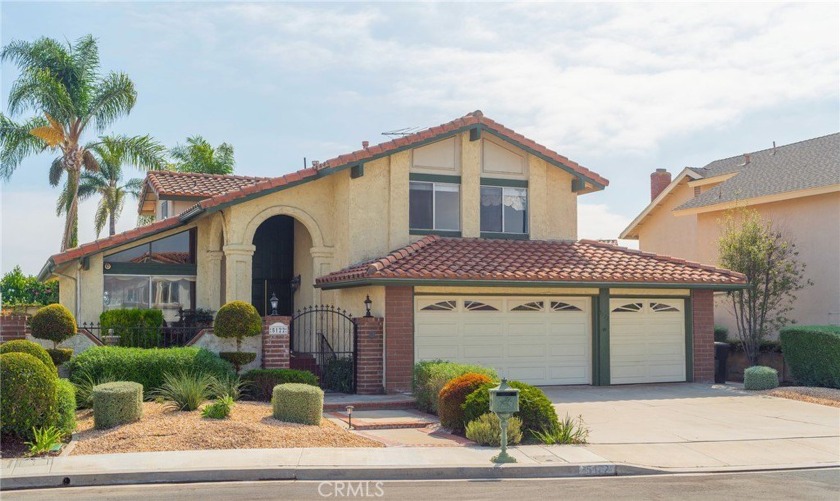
<point x="597" y="222"/>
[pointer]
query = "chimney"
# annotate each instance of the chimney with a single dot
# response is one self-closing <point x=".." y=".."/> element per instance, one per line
<point x="365" y="144"/>
<point x="659" y="180"/>
<point x="746" y="159"/>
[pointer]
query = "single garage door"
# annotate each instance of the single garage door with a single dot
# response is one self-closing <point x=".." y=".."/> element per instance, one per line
<point x="541" y="341"/>
<point x="647" y="340"/>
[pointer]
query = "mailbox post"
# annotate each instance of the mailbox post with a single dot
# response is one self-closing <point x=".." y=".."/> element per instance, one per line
<point x="504" y="402"/>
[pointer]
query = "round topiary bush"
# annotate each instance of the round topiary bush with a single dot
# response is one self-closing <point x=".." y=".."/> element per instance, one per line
<point x="535" y="409"/>
<point x="117" y="403"/>
<point x="759" y="377"/>
<point x="30" y="348"/>
<point x="27" y="394"/>
<point x="237" y="320"/>
<point x="54" y="323"/>
<point x="60" y="355"/>
<point x="297" y="403"/>
<point x="238" y="358"/>
<point x="452" y="398"/>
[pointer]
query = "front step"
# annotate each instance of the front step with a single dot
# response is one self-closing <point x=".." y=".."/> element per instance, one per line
<point x="384" y="419"/>
<point x="338" y="402"/>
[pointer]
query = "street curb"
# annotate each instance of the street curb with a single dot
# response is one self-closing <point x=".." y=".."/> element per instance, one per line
<point x="507" y="471"/>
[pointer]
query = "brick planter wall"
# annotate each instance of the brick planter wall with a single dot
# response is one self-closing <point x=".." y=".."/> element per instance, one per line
<point x="399" y="338"/>
<point x="13" y="327"/>
<point x="369" y="363"/>
<point x="275" y="347"/>
<point x="703" y="311"/>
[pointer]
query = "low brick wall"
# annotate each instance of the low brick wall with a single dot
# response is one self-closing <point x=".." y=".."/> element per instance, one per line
<point x="275" y="347"/>
<point x="737" y="362"/>
<point x="13" y="327"/>
<point x="369" y="363"/>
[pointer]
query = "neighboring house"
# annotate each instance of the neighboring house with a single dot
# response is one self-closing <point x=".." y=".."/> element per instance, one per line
<point x="462" y="235"/>
<point x="796" y="187"/>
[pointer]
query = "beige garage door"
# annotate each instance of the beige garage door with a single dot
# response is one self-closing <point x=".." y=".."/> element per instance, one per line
<point x="537" y="340"/>
<point x="647" y="340"/>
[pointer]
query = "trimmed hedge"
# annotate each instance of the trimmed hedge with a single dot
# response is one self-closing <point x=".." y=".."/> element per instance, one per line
<point x="535" y="409"/>
<point x="65" y="405"/>
<point x="238" y="358"/>
<point x="260" y="383"/>
<point x="721" y="334"/>
<point x="27" y="394"/>
<point x="297" y="403"/>
<point x="813" y="353"/>
<point x="54" y="323"/>
<point x="136" y="327"/>
<point x="759" y="377"/>
<point x="337" y="375"/>
<point x="60" y="355"/>
<point x="144" y="366"/>
<point x="117" y="403"/>
<point x="431" y="376"/>
<point x="30" y="348"/>
<point x="452" y="397"/>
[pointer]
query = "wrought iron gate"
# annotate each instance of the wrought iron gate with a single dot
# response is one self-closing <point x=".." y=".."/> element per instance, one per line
<point x="323" y="341"/>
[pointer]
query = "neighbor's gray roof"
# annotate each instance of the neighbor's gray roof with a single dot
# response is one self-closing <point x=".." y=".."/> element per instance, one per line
<point x="807" y="164"/>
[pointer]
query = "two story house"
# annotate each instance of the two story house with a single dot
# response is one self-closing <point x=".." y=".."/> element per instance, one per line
<point x="463" y="237"/>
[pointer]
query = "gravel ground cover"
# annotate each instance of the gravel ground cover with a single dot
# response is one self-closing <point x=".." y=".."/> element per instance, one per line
<point x="250" y="426"/>
<point x="815" y="395"/>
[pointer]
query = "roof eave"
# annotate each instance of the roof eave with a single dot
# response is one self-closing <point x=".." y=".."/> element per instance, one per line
<point x="372" y="281"/>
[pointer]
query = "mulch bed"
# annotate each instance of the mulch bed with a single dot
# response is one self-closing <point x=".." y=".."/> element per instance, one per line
<point x="814" y="395"/>
<point x="250" y="426"/>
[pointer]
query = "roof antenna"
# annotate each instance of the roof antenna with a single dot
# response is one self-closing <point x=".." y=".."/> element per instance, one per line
<point x="304" y="162"/>
<point x="405" y="131"/>
<point x="774" y="147"/>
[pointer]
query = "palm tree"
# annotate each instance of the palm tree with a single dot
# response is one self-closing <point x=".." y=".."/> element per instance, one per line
<point x="62" y="82"/>
<point x="111" y="153"/>
<point x="198" y="155"/>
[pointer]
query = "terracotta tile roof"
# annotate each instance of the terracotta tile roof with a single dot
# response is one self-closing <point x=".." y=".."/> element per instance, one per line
<point x="475" y="118"/>
<point x="437" y="258"/>
<point x="192" y="185"/>
<point x="112" y="241"/>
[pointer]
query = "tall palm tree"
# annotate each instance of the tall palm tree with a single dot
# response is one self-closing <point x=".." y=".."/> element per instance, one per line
<point x="198" y="155"/>
<point x="111" y="153"/>
<point x="62" y="85"/>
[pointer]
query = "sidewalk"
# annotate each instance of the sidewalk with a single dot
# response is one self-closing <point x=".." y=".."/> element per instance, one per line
<point x="417" y="463"/>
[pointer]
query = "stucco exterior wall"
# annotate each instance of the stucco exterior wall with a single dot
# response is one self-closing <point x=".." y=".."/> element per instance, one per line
<point x="664" y="233"/>
<point x="560" y="217"/>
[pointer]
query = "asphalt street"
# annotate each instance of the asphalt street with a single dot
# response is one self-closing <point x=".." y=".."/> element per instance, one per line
<point x="781" y="485"/>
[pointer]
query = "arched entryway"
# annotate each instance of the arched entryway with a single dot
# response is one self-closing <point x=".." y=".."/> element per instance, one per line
<point x="273" y="265"/>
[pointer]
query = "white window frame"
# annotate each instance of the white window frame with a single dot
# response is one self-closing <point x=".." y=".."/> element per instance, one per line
<point x="527" y="209"/>
<point x="434" y="205"/>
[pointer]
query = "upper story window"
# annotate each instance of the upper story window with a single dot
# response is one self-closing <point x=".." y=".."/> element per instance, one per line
<point x="504" y="210"/>
<point x="165" y="209"/>
<point x="434" y="206"/>
<point x="174" y="249"/>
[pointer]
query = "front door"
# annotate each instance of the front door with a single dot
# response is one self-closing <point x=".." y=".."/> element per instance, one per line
<point x="273" y="264"/>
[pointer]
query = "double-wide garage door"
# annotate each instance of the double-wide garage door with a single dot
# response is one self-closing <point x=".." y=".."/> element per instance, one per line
<point x="536" y="340"/>
<point x="547" y="340"/>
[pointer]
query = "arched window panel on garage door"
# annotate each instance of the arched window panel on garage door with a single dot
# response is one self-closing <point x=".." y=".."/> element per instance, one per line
<point x="629" y="308"/>
<point x="450" y="305"/>
<point x="472" y="305"/>
<point x="529" y="306"/>
<point x="561" y="306"/>
<point x="662" y="307"/>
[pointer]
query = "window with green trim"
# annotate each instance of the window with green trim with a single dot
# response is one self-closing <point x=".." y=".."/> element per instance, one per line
<point x="504" y="210"/>
<point x="174" y="249"/>
<point x="434" y="206"/>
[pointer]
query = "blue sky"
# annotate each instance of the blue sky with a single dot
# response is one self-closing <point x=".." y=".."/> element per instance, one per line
<point x="621" y="89"/>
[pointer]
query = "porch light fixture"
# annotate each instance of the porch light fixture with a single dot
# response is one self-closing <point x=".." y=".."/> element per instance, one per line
<point x="368" y="302"/>
<point x="294" y="283"/>
<point x="274" y="303"/>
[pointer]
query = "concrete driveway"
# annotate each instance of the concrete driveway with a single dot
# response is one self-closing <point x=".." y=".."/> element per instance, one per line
<point x="666" y="425"/>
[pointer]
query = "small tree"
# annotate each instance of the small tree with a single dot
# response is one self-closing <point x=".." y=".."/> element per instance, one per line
<point x="54" y="323"/>
<point x="237" y="320"/>
<point x="751" y="246"/>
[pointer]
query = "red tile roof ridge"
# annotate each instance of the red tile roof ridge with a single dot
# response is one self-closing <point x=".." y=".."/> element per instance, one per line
<point x="268" y="183"/>
<point x="403" y="252"/>
<point x="203" y="175"/>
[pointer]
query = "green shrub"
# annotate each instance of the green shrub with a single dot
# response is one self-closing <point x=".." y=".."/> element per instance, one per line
<point x="84" y="388"/>
<point x="54" y="323"/>
<point x="813" y="354"/>
<point x="237" y="320"/>
<point x="19" y="289"/>
<point x="117" y="403"/>
<point x="144" y="366"/>
<point x="337" y="375"/>
<point x="721" y="334"/>
<point x="260" y="383"/>
<point x="431" y="376"/>
<point x="238" y="358"/>
<point x="30" y="348"/>
<point x="60" y="355"/>
<point x="27" y="394"/>
<point x="452" y="397"/>
<point x="65" y="406"/>
<point x="228" y="386"/>
<point x="535" y="409"/>
<point x="759" y="377"/>
<point x="185" y="390"/>
<point x="140" y="328"/>
<point x="568" y="431"/>
<point x="44" y="440"/>
<point x="219" y="409"/>
<point x="297" y="403"/>
<point x="487" y="430"/>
